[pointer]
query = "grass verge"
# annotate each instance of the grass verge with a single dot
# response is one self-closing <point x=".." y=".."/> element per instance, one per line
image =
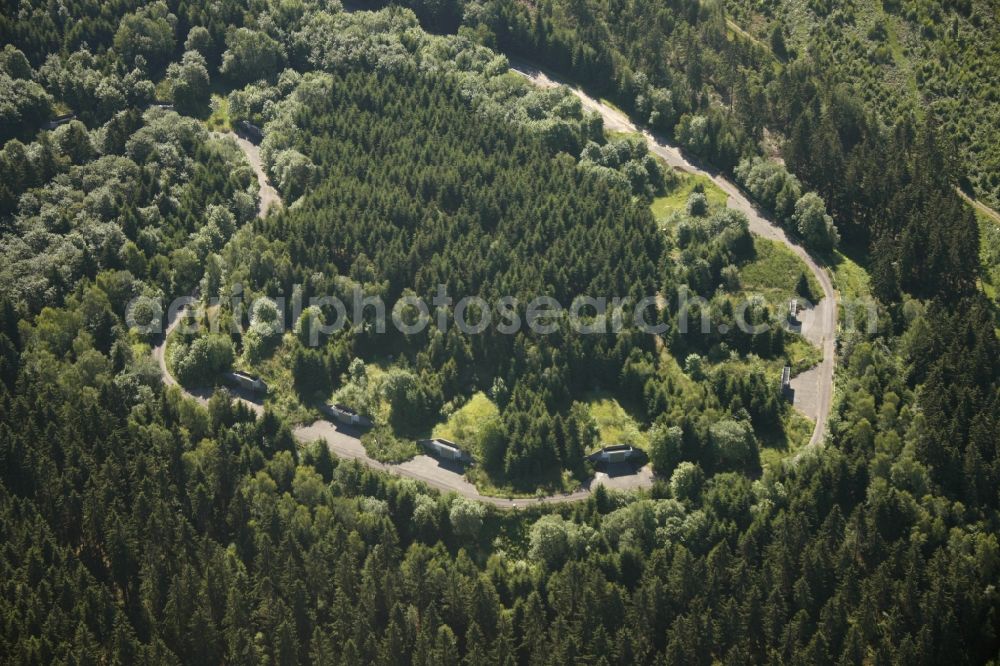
<point x="464" y="424"/>
<point x="676" y="200"/>
<point x="219" y="120"/>
<point x="775" y="272"/>
<point x="778" y="446"/>
<point x="382" y="445"/>
<point x="614" y="425"/>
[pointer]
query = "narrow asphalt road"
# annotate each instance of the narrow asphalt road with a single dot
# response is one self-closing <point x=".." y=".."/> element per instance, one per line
<point x="819" y="327"/>
<point x="269" y="197"/>
<point x="175" y="315"/>
<point x="345" y="443"/>
<point x="448" y="477"/>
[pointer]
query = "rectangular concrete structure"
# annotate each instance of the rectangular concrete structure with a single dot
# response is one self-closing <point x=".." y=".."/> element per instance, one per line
<point x="615" y="453"/>
<point x="443" y="448"/>
<point x="348" y="416"/>
<point x="246" y="381"/>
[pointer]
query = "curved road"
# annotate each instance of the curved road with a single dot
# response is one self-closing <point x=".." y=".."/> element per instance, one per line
<point x="269" y="197"/>
<point x="813" y="388"/>
<point x="345" y="442"/>
<point x="819" y="326"/>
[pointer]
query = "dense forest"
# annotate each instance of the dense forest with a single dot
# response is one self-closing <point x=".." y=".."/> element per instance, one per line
<point x="504" y="219"/>
<point x="681" y="69"/>
<point x="141" y="526"/>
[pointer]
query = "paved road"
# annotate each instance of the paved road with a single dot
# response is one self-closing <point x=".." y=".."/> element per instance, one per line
<point x="448" y="477"/>
<point x="441" y="475"/>
<point x="269" y="197"/>
<point x="160" y="351"/>
<point x="979" y="205"/>
<point x="345" y="443"/>
<point x="819" y="324"/>
<point x="200" y="394"/>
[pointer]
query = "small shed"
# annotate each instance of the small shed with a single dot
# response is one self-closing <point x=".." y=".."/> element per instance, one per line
<point x="443" y="448"/>
<point x="793" y="308"/>
<point x="347" y="415"/>
<point x="786" y="380"/>
<point x="59" y="120"/>
<point x="246" y="381"/>
<point x="616" y="453"/>
<point x="249" y="131"/>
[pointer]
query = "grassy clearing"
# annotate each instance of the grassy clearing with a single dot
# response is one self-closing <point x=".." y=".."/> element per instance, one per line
<point x="671" y="368"/>
<point x="676" y="200"/>
<point x="898" y="54"/>
<point x="478" y="477"/>
<point x="617" y="135"/>
<point x="163" y="91"/>
<point x="614" y="425"/>
<point x="775" y="272"/>
<point x="219" y="120"/>
<point x="462" y="427"/>
<point x="776" y="447"/>
<point x="734" y="31"/>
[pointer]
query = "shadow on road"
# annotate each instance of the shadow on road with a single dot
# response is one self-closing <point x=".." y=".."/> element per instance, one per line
<point x="614" y="470"/>
<point x="454" y="466"/>
<point x="349" y="430"/>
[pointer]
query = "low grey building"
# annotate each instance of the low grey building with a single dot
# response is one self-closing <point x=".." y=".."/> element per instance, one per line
<point x="348" y="416"/>
<point x="249" y="131"/>
<point x="615" y="453"/>
<point x="59" y="120"/>
<point x="444" y="448"/>
<point x="246" y="381"/>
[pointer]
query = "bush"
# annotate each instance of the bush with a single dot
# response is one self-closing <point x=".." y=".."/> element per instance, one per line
<point x="686" y="481"/>
<point x="189" y="83"/>
<point x="383" y="445"/>
<point x="731" y="278"/>
<point x="813" y="223"/>
<point x="665" y="447"/>
<point x="251" y="56"/>
<point x="466" y="517"/>
<point x="309" y="374"/>
<point x="734" y="443"/>
<point x="771" y="185"/>
<point x="25" y="103"/>
<point x="553" y="540"/>
<point x="201" y="363"/>
<point x="697" y="204"/>
<point x="149" y="33"/>
<point x="293" y="173"/>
